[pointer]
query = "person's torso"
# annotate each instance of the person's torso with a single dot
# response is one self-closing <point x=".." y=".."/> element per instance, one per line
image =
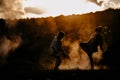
<point x="55" y="47"/>
<point x="94" y="41"/>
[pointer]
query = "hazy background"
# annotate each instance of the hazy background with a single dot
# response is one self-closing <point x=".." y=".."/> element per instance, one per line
<point x="25" y="44"/>
<point x="32" y="24"/>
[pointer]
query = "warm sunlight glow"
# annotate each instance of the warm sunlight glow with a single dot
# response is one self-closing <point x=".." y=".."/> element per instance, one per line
<point x="60" y="7"/>
<point x="45" y="8"/>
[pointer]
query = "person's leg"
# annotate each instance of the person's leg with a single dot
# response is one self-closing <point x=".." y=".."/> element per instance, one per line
<point x="91" y="61"/>
<point x="85" y="47"/>
<point x="57" y="64"/>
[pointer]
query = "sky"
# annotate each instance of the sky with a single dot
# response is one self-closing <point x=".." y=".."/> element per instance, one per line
<point x="12" y="9"/>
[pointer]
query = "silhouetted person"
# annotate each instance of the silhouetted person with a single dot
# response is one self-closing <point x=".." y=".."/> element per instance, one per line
<point x="95" y="40"/>
<point x="2" y="37"/>
<point x="2" y="27"/>
<point x="56" y="49"/>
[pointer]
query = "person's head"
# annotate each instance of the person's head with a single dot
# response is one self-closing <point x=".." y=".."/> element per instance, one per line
<point x="60" y="35"/>
<point x="98" y="29"/>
